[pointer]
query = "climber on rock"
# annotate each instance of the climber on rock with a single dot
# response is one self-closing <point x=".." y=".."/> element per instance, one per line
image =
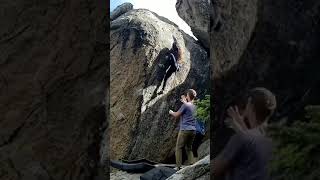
<point x="249" y="150"/>
<point x="187" y="129"/>
<point x="172" y="64"/>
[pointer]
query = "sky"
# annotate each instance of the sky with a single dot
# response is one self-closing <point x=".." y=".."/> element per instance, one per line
<point x="165" y="8"/>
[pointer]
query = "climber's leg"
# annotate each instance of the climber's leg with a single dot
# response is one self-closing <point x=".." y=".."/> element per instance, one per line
<point x="170" y="71"/>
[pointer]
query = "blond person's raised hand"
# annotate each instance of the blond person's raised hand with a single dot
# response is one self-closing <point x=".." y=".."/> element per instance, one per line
<point x="237" y="120"/>
<point x="183" y="99"/>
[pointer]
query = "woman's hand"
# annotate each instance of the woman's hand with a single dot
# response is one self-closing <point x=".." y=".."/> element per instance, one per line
<point x="175" y="114"/>
<point x="183" y="99"/>
<point x="237" y="120"/>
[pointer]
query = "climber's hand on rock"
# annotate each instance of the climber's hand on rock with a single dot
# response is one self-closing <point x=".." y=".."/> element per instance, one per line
<point x="170" y="112"/>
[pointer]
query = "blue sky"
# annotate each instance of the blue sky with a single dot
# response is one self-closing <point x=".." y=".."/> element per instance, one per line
<point x="165" y="8"/>
<point x="115" y="3"/>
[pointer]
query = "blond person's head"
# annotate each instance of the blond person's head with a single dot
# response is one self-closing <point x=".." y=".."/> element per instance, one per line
<point x="261" y="102"/>
<point x="191" y="94"/>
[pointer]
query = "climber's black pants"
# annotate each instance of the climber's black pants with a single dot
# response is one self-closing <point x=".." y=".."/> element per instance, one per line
<point x="169" y="72"/>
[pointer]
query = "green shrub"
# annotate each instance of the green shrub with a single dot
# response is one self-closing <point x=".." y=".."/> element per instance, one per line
<point x="203" y="109"/>
<point x="297" y="154"/>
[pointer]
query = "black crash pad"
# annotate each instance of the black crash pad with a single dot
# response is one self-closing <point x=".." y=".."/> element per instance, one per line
<point x="140" y="167"/>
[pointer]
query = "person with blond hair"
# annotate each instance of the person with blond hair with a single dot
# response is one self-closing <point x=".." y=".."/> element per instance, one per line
<point x="248" y="152"/>
<point x="187" y="127"/>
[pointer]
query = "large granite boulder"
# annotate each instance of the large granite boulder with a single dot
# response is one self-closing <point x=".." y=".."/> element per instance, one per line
<point x="140" y="123"/>
<point x="53" y="75"/>
<point x="196" y="13"/>
<point x="204" y="149"/>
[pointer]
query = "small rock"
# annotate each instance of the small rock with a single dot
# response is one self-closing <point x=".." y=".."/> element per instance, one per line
<point x="121" y="9"/>
<point x="198" y="171"/>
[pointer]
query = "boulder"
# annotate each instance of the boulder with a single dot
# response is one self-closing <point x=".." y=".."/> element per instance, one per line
<point x="227" y="45"/>
<point x="225" y="18"/>
<point x="204" y="149"/>
<point x="121" y="9"/>
<point x="140" y="123"/>
<point x="53" y="76"/>
<point x="198" y="171"/>
<point x="196" y="13"/>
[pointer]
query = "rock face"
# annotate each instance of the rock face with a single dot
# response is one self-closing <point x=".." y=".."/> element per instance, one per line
<point x="198" y="171"/>
<point x="197" y="16"/>
<point x="204" y="149"/>
<point x="52" y="86"/>
<point x="282" y="55"/>
<point x="238" y="19"/>
<point x="140" y="123"/>
<point x="123" y="8"/>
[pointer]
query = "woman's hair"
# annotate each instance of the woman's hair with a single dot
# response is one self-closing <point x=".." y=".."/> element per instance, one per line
<point x="177" y="51"/>
<point x="263" y="101"/>
<point x="192" y="93"/>
<point x="179" y="55"/>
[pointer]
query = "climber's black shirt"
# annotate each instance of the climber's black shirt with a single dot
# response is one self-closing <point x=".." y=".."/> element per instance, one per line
<point x="172" y="62"/>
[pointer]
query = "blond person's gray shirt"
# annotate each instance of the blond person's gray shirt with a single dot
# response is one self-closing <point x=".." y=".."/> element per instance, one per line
<point x="187" y="120"/>
<point x="248" y="154"/>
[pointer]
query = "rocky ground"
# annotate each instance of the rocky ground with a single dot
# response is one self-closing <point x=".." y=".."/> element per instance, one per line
<point x="121" y="175"/>
<point x="198" y="171"/>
